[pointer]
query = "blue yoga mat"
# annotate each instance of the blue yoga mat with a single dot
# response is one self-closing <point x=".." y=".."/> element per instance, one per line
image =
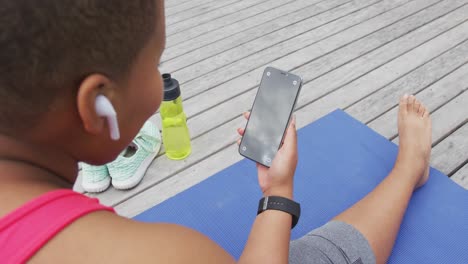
<point x="340" y="161"/>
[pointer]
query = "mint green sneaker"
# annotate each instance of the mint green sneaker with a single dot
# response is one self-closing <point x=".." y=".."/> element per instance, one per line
<point x="95" y="178"/>
<point x="131" y="165"/>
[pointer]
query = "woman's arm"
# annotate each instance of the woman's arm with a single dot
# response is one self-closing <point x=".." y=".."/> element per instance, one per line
<point x="269" y="238"/>
<point x="270" y="235"/>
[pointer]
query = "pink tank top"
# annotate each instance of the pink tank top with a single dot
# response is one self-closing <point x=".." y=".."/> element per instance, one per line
<point x="26" y="230"/>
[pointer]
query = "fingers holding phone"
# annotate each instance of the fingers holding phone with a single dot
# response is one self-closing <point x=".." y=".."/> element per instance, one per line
<point x="278" y="179"/>
<point x="241" y="130"/>
<point x="289" y="146"/>
<point x="290" y="139"/>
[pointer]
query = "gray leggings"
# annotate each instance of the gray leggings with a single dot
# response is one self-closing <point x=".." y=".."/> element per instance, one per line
<point x="334" y="243"/>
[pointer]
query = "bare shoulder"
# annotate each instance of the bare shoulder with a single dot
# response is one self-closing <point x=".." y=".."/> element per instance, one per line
<point x="103" y="237"/>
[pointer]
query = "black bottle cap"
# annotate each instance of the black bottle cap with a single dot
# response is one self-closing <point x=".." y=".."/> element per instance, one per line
<point x="171" y="87"/>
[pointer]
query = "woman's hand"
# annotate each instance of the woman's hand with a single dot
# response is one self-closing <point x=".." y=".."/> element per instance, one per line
<point x="278" y="179"/>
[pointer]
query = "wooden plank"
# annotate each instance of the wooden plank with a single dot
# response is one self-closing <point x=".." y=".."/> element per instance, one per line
<point x="227" y="89"/>
<point x="434" y="97"/>
<point x="228" y="37"/>
<point x="228" y="110"/>
<point x="228" y="15"/>
<point x="434" y="70"/>
<point x="384" y="100"/>
<point x="195" y="14"/>
<point x="178" y="44"/>
<point x="174" y="3"/>
<point x="174" y="8"/>
<point x="232" y="7"/>
<point x="223" y="136"/>
<point x="242" y="59"/>
<point x="222" y="24"/>
<point x="419" y="32"/>
<point x="461" y="177"/>
<point x="234" y="84"/>
<point x="452" y="151"/>
<point x="382" y="76"/>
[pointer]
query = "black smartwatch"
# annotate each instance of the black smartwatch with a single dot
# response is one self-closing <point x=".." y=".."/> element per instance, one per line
<point x="280" y="204"/>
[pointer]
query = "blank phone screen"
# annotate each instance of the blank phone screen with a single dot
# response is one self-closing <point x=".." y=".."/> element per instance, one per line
<point x="270" y="115"/>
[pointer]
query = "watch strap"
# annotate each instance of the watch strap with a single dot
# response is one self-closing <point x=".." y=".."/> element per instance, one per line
<point x="281" y="204"/>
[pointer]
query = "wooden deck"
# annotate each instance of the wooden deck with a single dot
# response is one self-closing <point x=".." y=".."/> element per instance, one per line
<point x="360" y="56"/>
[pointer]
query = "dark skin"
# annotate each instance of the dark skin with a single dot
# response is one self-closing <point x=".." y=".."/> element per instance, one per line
<point x="45" y="157"/>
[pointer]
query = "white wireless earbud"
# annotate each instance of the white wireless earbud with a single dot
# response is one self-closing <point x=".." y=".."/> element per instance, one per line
<point x="105" y="109"/>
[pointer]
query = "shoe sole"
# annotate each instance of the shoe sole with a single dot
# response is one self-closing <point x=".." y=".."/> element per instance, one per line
<point x="138" y="176"/>
<point x="96" y="187"/>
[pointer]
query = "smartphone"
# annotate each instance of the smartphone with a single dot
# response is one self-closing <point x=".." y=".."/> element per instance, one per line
<point x="270" y="116"/>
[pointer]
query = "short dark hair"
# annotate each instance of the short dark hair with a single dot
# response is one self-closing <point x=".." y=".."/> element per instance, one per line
<point x="49" y="46"/>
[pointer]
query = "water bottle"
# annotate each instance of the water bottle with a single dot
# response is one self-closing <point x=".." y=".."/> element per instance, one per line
<point x="175" y="133"/>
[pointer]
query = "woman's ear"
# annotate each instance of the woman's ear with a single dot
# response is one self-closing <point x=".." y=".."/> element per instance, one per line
<point x="90" y="88"/>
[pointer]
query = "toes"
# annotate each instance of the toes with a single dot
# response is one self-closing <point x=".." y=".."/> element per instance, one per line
<point x="426" y="113"/>
<point x="417" y="106"/>
<point x="403" y="103"/>
<point x="410" y="105"/>
<point x="422" y="110"/>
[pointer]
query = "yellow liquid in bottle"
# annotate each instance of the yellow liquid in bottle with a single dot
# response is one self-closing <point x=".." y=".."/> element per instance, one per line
<point x="175" y="133"/>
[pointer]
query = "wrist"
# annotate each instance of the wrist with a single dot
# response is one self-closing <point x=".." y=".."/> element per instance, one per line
<point x="282" y="191"/>
<point x="281" y="204"/>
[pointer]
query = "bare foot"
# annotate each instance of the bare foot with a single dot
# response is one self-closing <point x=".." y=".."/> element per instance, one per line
<point x="415" y="131"/>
